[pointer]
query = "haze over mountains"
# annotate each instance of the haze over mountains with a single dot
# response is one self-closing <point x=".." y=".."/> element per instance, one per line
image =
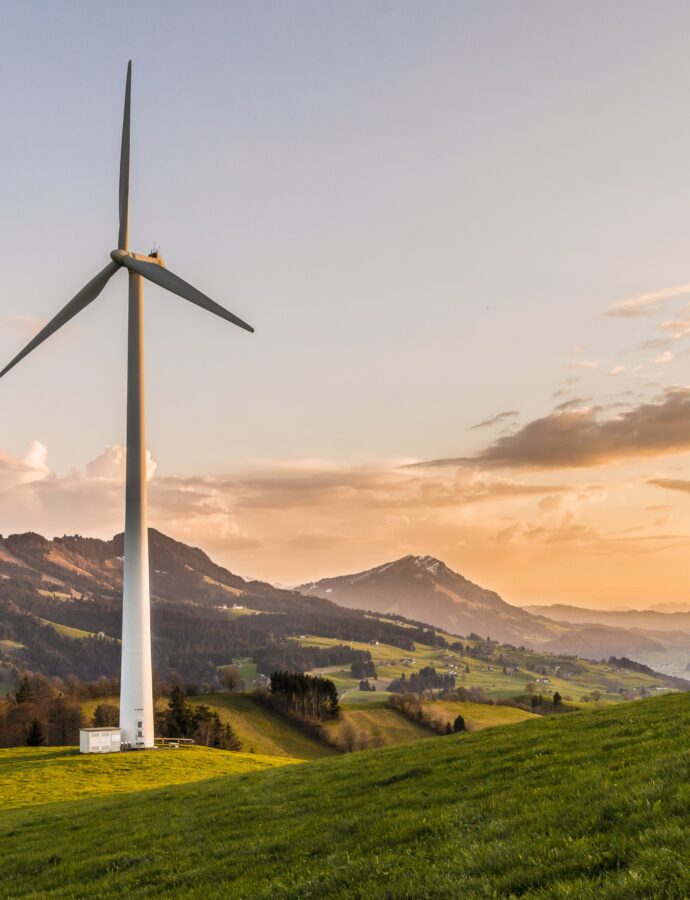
<point x="424" y="588"/>
<point x="49" y="587"/>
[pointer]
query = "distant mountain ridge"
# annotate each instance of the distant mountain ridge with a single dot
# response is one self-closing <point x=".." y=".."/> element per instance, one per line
<point x="425" y="588"/>
<point x="653" y="619"/>
<point x="75" y="583"/>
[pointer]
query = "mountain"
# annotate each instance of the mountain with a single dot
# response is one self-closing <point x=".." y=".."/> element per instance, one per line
<point x="203" y="616"/>
<point x="669" y="633"/>
<point x="648" y="619"/>
<point x="61" y="613"/>
<point x="424" y="588"/>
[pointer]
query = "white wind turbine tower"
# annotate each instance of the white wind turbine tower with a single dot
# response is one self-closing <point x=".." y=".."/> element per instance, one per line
<point x="136" y="695"/>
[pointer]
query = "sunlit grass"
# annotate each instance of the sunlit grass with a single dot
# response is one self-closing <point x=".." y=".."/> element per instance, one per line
<point x="39" y="775"/>
<point x="588" y="806"/>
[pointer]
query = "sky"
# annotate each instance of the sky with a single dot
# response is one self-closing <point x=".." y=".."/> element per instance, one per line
<point x="460" y="231"/>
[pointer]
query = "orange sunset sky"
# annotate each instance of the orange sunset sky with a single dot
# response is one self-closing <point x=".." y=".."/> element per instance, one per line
<point x="461" y="234"/>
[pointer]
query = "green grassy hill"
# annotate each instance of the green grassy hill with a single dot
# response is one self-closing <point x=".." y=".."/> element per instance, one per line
<point x="32" y="776"/>
<point x="590" y="805"/>
<point x="374" y="725"/>
<point x="476" y="715"/>
<point x="261" y="730"/>
<point x="574" y="678"/>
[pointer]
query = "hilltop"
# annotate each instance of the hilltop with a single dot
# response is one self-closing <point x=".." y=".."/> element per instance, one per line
<point x="592" y="805"/>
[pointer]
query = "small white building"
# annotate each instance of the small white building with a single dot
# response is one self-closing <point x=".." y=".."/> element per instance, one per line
<point x="99" y="740"/>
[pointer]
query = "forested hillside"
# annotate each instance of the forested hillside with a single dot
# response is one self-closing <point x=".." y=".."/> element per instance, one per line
<point x="203" y="616"/>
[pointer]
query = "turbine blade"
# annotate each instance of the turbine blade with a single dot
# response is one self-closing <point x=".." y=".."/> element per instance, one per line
<point x="173" y="283"/>
<point x="123" y="236"/>
<point x="85" y="296"/>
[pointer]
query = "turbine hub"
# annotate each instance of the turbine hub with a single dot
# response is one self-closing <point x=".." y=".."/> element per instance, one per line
<point x="118" y="256"/>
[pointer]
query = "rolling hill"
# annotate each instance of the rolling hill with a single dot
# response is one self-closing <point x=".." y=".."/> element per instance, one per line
<point x="60" y="614"/>
<point x="591" y="805"/>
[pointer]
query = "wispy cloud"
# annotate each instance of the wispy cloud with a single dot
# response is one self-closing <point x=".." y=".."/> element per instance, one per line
<point x="497" y="419"/>
<point x="671" y="484"/>
<point x="645" y="304"/>
<point x="584" y="364"/>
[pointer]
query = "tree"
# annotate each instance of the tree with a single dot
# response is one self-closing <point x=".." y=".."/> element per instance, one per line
<point x="231" y="679"/>
<point x="350" y="738"/>
<point x="64" y="721"/>
<point x="105" y="716"/>
<point x="25" y="692"/>
<point x="35" y="736"/>
<point x="557" y="700"/>
<point x="177" y="717"/>
<point x="459" y="724"/>
<point x="229" y="740"/>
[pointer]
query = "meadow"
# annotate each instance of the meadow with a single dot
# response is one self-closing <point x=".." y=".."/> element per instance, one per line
<point x="588" y="805"/>
<point x="32" y="776"/>
<point x="488" y="676"/>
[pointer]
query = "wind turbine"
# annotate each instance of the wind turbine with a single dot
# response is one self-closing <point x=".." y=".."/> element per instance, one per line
<point x="136" y="692"/>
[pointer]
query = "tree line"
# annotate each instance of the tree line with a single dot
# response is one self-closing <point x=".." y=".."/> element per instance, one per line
<point x="304" y="696"/>
<point x="427" y="679"/>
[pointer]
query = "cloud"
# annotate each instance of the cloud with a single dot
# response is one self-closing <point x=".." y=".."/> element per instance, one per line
<point x="497" y="419"/>
<point x="575" y="403"/>
<point x="665" y="357"/>
<point x="617" y="370"/>
<point x="644" y="304"/>
<point x="574" y="438"/>
<point x="678" y="328"/>
<point x="671" y="484"/>
<point x="111" y="464"/>
<point x="584" y="364"/>
<point x="293" y="523"/>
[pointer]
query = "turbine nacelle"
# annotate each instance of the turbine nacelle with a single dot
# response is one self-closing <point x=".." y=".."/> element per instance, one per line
<point x="118" y="257"/>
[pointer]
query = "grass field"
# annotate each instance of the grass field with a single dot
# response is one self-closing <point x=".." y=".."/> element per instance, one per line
<point x="68" y="630"/>
<point x="392" y="662"/>
<point x="589" y="806"/>
<point x="261" y="730"/>
<point x="376" y="726"/>
<point x="365" y="698"/>
<point x="33" y="776"/>
<point x="476" y="715"/>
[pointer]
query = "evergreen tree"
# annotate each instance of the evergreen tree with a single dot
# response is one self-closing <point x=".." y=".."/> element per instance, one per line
<point x="25" y="692"/>
<point x="459" y="724"/>
<point x="35" y="736"/>
<point x="177" y="718"/>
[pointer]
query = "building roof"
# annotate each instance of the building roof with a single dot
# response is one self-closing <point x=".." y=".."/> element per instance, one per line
<point x="105" y="728"/>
